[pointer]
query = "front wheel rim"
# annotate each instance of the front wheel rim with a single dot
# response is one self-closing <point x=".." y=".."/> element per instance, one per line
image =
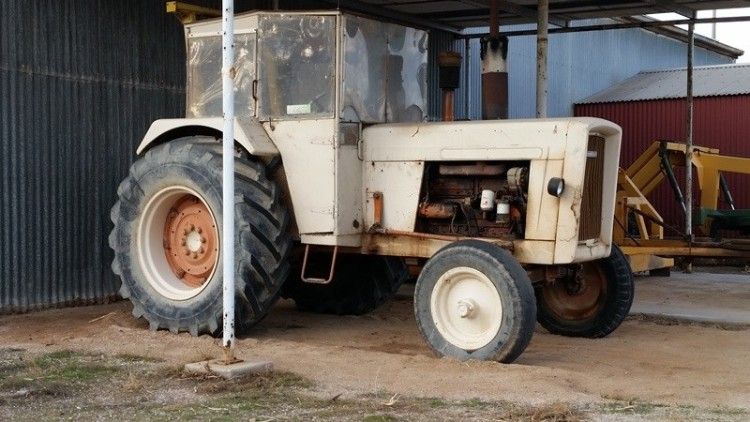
<point x="466" y="308"/>
<point x="582" y="302"/>
<point x="178" y="243"/>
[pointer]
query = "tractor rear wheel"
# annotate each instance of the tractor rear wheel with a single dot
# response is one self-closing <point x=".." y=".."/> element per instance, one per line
<point x="473" y="300"/>
<point x="591" y="301"/>
<point x="167" y="238"/>
<point x="360" y="284"/>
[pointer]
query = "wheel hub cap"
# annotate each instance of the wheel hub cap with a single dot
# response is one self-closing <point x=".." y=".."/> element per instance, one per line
<point x="190" y="241"/>
<point x="466" y="308"/>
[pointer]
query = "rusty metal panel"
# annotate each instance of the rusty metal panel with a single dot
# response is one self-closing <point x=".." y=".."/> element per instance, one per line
<point x="720" y="122"/>
<point x="590" y="226"/>
<point x="79" y="84"/>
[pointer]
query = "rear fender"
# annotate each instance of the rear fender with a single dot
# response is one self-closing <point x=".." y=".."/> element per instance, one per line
<point x="249" y="133"/>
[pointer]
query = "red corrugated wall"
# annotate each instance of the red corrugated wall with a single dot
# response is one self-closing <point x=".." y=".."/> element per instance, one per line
<point x="720" y="122"/>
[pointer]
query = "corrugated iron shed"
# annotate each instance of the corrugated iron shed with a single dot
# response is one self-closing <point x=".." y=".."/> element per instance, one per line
<point x="80" y="82"/>
<point x="721" y="121"/>
<point x="708" y="81"/>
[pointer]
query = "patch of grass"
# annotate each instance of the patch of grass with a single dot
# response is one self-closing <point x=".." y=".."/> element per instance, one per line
<point x="379" y="418"/>
<point x="57" y="374"/>
<point x="437" y="403"/>
<point x="131" y="358"/>
<point x="556" y="412"/>
<point x="261" y="383"/>
<point x="630" y="406"/>
<point x="474" y="403"/>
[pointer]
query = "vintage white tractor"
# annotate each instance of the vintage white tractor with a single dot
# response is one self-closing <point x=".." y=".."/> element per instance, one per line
<point x="339" y="178"/>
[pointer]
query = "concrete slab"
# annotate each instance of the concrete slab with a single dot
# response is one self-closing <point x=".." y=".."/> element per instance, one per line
<point x="701" y="296"/>
<point x="234" y="370"/>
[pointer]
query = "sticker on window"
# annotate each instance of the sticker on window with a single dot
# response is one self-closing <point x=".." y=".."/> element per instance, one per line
<point x="298" y="109"/>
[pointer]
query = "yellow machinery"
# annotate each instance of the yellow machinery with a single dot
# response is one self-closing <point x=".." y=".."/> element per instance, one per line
<point x="646" y="244"/>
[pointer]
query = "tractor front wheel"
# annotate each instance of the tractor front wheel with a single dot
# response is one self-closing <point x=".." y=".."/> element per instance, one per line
<point x="590" y="301"/>
<point x="473" y="300"/>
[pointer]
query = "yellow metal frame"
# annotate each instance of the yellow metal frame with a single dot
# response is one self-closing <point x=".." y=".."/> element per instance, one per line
<point x="189" y="13"/>
<point x="645" y="175"/>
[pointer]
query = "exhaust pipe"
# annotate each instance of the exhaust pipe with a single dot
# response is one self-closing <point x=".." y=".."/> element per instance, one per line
<point x="494" y="54"/>
<point x="450" y="74"/>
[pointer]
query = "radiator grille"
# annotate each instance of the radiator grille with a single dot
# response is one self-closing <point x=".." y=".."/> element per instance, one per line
<point x="591" y="201"/>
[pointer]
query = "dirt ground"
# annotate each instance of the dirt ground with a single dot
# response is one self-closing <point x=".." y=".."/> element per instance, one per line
<point x="649" y="368"/>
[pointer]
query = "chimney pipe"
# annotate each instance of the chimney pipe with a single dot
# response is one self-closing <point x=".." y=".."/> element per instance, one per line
<point x="450" y="74"/>
<point x="494" y="54"/>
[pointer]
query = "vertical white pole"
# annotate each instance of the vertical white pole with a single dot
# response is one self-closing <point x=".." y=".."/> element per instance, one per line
<point x="227" y="244"/>
<point x="541" y="58"/>
<point x="689" y="140"/>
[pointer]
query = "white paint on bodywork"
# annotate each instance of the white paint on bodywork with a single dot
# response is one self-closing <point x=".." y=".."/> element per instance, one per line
<point x="307" y="148"/>
<point x="248" y="132"/>
<point x="400" y="183"/>
<point x="554" y="147"/>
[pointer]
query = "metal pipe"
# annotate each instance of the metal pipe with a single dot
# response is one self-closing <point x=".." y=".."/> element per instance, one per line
<point x="666" y="166"/>
<point x="467" y="78"/>
<point x="494" y="25"/>
<point x="725" y="190"/>
<point x="542" y="41"/>
<point x="689" y="138"/>
<point x="227" y="244"/>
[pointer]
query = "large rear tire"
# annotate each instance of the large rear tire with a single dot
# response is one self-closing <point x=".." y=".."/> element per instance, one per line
<point x="166" y="238"/>
<point x="591" y="301"/>
<point x="361" y="283"/>
<point x="473" y="300"/>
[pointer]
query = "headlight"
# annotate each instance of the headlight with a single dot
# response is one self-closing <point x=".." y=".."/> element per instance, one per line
<point x="556" y="186"/>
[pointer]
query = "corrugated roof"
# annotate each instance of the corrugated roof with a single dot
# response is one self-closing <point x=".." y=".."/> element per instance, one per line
<point x="475" y="13"/>
<point x="708" y="81"/>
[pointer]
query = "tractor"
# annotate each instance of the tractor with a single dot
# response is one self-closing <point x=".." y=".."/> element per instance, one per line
<point x="341" y="181"/>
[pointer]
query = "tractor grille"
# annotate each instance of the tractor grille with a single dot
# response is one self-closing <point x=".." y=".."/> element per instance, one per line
<point x="590" y="226"/>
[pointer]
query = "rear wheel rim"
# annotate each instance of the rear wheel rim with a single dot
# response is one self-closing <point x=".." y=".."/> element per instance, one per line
<point x="178" y="243"/>
<point x="466" y="308"/>
<point x="578" y="301"/>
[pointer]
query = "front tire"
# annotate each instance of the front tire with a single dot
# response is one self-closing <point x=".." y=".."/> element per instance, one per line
<point x="473" y="300"/>
<point x="166" y="238"/>
<point x="591" y="302"/>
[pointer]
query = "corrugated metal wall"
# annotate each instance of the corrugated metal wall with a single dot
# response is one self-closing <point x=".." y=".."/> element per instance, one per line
<point x="720" y="122"/>
<point x="468" y="96"/>
<point x="580" y="64"/>
<point x="80" y="82"/>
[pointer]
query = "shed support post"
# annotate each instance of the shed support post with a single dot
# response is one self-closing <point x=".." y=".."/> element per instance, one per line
<point x="227" y="238"/>
<point x="689" y="139"/>
<point x="541" y="58"/>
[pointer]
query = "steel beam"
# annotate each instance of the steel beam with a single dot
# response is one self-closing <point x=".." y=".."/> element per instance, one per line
<point x="671" y="6"/>
<point x="541" y="59"/>
<point x="370" y="9"/>
<point x="624" y="25"/>
<point x="689" y="137"/>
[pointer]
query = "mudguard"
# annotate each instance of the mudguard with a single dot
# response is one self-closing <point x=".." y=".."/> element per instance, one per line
<point x="248" y="132"/>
